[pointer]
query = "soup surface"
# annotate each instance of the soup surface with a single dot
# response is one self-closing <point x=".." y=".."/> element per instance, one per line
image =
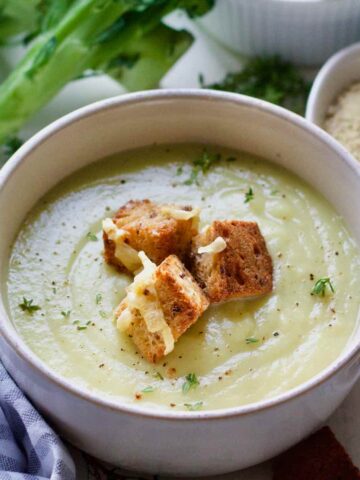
<point x="240" y="352"/>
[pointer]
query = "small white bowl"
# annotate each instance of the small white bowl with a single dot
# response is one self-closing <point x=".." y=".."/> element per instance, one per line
<point x="178" y="443"/>
<point x="338" y="73"/>
<point x="305" y="32"/>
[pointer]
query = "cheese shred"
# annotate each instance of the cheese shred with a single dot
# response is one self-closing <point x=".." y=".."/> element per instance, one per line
<point x="127" y="255"/>
<point x="142" y="296"/>
<point x="217" y="246"/>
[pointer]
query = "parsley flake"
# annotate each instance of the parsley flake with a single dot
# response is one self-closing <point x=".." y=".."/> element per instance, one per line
<point x="148" y="389"/>
<point x="193" y="406"/>
<point x="158" y="376"/>
<point x="321" y="285"/>
<point x="249" y="195"/>
<point x="202" y="165"/>
<point x="98" y="298"/>
<point x="91" y="236"/>
<point x="81" y="327"/>
<point x="251" y="340"/>
<point x="66" y="313"/>
<point x="191" y="381"/>
<point x="28" y="306"/>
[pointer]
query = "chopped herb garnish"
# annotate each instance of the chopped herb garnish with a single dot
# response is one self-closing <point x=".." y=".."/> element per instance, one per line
<point x="148" y="389"/>
<point x="88" y="322"/>
<point x="249" y="195"/>
<point x="102" y="314"/>
<point x="274" y="192"/>
<point x="91" y="236"/>
<point x="81" y="327"/>
<point x="321" y="285"/>
<point x="202" y="165"/>
<point x="193" y="406"/>
<point x="179" y="171"/>
<point x="269" y="78"/>
<point x="98" y="298"/>
<point x="158" y="376"/>
<point x="191" y="381"/>
<point x="251" y="340"/>
<point x="66" y="313"/>
<point x="28" y="306"/>
<point x="76" y="322"/>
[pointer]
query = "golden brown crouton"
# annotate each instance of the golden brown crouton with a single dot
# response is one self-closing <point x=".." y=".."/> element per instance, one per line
<point x="240" y="268"/>
<point x="161" y="304"/>
<point x="158" y="230"/>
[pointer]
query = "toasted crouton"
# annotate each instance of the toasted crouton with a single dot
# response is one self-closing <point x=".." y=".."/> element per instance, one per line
<point x="230" y="261"/>
<point x="161" y="304"/>
<point x="157" y="230"/>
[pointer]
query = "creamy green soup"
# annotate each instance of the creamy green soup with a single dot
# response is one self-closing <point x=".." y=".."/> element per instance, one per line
<point x="240" y="352"/>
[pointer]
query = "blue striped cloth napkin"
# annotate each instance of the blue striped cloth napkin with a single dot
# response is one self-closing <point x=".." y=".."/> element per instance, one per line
<point x="29" y="448"/>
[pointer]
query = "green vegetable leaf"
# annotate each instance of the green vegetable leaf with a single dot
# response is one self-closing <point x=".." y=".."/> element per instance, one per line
<point x="249" y="195"/>
<point x="321" y="285"/>
<point x="28" y="306"/>
<point x="191" y="381"/>
<point x="193" y="406"/>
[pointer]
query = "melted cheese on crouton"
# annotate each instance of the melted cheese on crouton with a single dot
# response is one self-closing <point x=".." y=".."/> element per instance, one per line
<point x="142" y="296"/>
<point x="127" y="255"/>
<point x="217" y="246"/>
<point x="179" y="214"/>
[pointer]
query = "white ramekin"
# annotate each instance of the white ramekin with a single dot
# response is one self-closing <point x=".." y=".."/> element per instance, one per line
<point x="304" y="32"/>
<point x="178" y="443"/>
<point x="338" y="73"/>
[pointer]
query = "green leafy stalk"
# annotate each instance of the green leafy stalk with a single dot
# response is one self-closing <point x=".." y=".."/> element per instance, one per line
<point x="17" y="16"/>
<point x="124" y="38"/>
<point x="148" y="59"/>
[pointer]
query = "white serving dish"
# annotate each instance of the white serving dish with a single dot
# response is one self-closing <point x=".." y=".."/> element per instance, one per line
<point x="177" y="443"/>
<point x="306" y="32"/>
<point x="338" y="73"/>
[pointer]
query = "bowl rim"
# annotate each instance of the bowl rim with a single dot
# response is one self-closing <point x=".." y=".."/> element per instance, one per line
<point x="332" y="64"/>
<point x="18" y="345"/>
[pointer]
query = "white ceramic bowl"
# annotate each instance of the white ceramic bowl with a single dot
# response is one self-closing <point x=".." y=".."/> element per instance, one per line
<point x="306" y="32"/>
<point x="338" y="73"/>
<point x="179" y="443"/>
